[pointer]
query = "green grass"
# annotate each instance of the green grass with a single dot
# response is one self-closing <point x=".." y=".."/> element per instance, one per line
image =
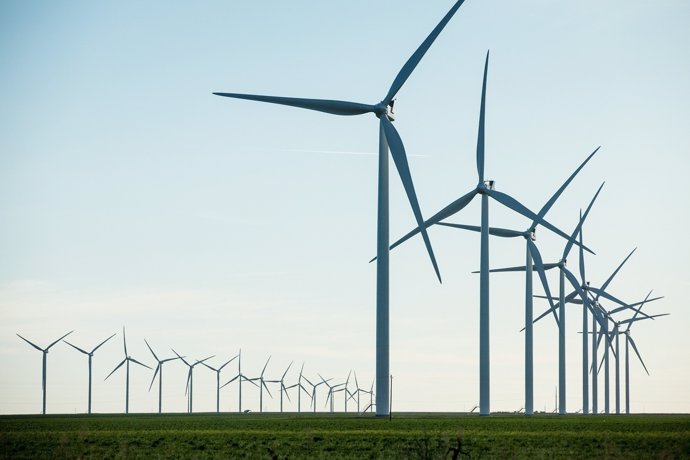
<point x="414" y="436"/>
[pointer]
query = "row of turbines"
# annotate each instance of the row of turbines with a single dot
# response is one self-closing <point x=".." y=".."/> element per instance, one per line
<point x="358" y="395"/>
<point x="606" y="323"/>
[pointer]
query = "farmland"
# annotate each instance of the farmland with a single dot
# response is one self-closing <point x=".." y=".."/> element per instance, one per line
<point x="412" y="435"/>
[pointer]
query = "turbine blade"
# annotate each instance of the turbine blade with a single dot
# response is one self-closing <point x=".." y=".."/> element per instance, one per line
<point x="500" y="232"/>
<point x="227" y="362"/>
<point x="632" y="320"/>
<point x="231" y="380"/>
<point x="320" y="105"/>
<point x="574" y="283"/>
<point x="286" y="371"/>
<point x="30" y="343"/>
<point x="417" y="56"/>
<point x="50" y="346"/>
<point x="539" y="265"/>
<point x="182" y="358"/>
<point x="139" y="363"/>
<point x="552" y="200"/>
<point x="204" y="364"/>
<point x="76" y="347"/>
<point x="116" y="368"/>
<point x="155" y="373"/>
<point x="606" y="295"/>
<point x="480" y="134"/>
<point x="400" y="158"/>
<point x="264" y="369"/>
<point x="444" y="213"/>
<point x="201" y="361"/>
<point x="151" y="350"/>
<point x="267" y="390"/>
<point x="512" y="203"/>
<point x="102" y="343"/>
<point x="615" y="272"/>
<point x="569" y="245"/>
<point x="551" y="309"/>
<point x="639" y="309"/>
<point x="632" y="342"/>
<point x="124" y="340"/>
<point x="634" y="305"/>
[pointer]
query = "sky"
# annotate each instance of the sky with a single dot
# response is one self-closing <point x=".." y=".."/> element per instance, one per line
<point x="131" y="196"/>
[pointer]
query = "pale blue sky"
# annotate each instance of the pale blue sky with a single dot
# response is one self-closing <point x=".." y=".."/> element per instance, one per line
<point x="130" y="195"/>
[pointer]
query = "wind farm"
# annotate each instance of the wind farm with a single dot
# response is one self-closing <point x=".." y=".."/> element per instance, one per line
<point x="208" y="223"/>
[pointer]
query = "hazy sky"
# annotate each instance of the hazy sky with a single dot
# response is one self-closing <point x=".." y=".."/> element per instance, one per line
<point x="129" y="195"/>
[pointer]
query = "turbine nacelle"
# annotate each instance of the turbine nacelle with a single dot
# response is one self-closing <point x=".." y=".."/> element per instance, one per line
<point x="482" y="187"/>
<point x="383" y="108"/>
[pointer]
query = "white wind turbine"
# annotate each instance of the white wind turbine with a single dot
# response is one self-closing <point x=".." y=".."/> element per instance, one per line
<point x="389" y="140"/>
<point x="331" y="388"/>
<point x="484" y="188"/>
<point x="45" y="363"/>
<point x="283" y="388"/>
<point x="239" y="377"/>
<point x="533" y="255"/>
<point x="189" y="388"/>
<point x="90" y="355"/>
<point x="126" y="361"/>
<point x="630" y="342"/>
<point x="613" y="337"/>
<point x="159" y="373"/>
<point x="218" y="386"/>
<point x="262" y="385"/>
<point x="313" y="391"/>
<point x="300" y="389"/>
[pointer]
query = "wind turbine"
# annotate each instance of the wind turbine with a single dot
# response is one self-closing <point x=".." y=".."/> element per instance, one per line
<point x="560" y="306"/>
<point x="347" y="393"/>
<point x="262" y="385"/>
<point x="531" y="255"/>
<point x="218" y="387"/>
<point x="300" y="389"/>
<point x="329" y="396"/>
<point x="283" y="388"/>
<point x="159" y="372"/>
<point x="630" y="342"/>
<point x="486" y="190"/>
<point x="388" y="138"/>
<point x="189" y="388"/>
<point x="614" y="336"/>
<point x="239" y="377"/>
<point x="371" y="398"/>
<point x="313" y="391"/>
<point x="45" y="361"/>
<point x="90" y="355"/>
<point x="126" y="361"/>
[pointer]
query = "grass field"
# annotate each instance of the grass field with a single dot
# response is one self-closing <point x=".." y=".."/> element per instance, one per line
<point x="281" y="436"/>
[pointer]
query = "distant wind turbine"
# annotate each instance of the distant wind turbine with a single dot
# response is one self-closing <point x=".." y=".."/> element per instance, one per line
<point x="283" y="388"/>
<point x="159" y="372"/>
<point x="45" y="362"/>
<point x="126" y="361"/>
<point x="388" y="138"/>
<point x="90" y="355"/>
<point x="262" y="385"/>
<point x="189" y="388"/>
<point x="239" y="377"/>
<point x="218" y="387"/>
